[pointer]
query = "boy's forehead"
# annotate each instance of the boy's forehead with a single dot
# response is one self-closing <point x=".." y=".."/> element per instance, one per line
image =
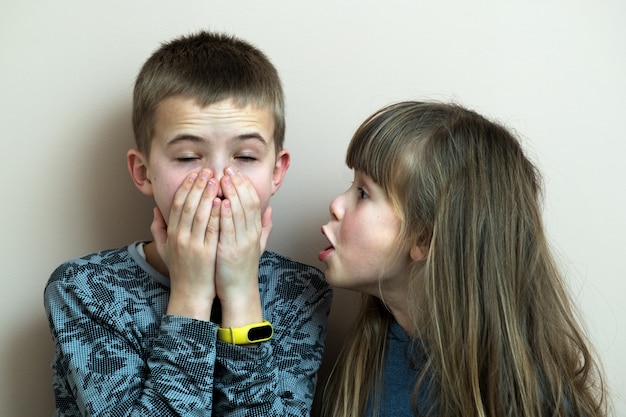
<point x="181" y="110"/>
<point x="180" y="115"/>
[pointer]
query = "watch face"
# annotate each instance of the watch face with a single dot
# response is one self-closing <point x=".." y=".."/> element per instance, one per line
<point x="258" y="333"/>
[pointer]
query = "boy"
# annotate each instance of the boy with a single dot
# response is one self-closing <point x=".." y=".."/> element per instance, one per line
<point x="201" y="321"/>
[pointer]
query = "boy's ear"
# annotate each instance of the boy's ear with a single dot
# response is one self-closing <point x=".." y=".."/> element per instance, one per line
<point x="138" y="168"/>
<point x="419" y="252"/>
<point x="283" y="159"/>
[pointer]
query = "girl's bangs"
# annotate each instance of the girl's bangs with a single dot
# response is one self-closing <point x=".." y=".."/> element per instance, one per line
<point x="372" y="150"/>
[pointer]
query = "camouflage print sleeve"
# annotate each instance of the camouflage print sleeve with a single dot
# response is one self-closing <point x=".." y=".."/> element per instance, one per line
<point x="278" y="377"/>
<point x="113" y="357"/>
<point x="118" y="354"/>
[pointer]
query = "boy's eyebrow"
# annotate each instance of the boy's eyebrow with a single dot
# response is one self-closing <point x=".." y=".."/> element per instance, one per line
<point x="252" y="135"/>
<point x="199" y="139"/>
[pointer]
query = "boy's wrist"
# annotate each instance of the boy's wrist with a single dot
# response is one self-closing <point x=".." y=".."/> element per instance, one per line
<point x="195" y="309"/>
<point x="241" y="311"/>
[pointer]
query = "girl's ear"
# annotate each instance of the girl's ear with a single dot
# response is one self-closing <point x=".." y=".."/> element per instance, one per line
<point x="138" y="168"/>
<point x="419" y="252"/>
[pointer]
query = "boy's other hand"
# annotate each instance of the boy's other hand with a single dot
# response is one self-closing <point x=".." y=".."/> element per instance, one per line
<point x="243" y="237"/>
<point x="188" y="245"/>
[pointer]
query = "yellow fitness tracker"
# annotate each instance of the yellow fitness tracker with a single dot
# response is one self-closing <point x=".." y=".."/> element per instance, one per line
<point x="252" y="333"/>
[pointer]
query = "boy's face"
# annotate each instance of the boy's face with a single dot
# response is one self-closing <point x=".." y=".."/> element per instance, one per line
<point x="188" y="138"/>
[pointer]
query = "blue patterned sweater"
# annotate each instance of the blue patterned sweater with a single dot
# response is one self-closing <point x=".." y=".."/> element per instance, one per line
<point x="118" y="354"/>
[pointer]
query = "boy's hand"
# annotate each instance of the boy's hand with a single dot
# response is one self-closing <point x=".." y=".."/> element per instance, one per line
<point x="243" y="237"/>
<point x="188" y="245"/>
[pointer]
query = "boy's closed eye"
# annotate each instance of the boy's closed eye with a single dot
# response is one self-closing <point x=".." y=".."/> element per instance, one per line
<point x="246" y="158"/>
<point x="188" y="158"/>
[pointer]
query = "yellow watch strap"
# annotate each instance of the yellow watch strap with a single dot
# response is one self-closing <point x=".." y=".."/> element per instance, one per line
<point x="252" y="333"/>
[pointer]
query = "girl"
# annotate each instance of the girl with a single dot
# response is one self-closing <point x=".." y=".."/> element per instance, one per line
<point x="464" y="312"/>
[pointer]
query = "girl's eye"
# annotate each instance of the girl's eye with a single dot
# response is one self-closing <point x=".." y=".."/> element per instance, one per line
<point x="362" y="193"/>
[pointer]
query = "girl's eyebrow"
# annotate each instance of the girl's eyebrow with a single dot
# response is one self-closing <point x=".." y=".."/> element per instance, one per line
<point x="365" y="179"/>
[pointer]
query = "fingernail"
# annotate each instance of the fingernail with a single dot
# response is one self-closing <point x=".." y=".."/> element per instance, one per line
<point x="204" y="173"/>
<point x="193" y="176"/>
<point x="230" y="171"/>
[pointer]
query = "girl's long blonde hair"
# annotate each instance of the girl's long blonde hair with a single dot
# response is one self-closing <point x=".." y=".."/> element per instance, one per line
<point x="491" y="308"/>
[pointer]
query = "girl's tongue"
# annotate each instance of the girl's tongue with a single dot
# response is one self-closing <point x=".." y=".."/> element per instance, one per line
<point x="324" y="253"/>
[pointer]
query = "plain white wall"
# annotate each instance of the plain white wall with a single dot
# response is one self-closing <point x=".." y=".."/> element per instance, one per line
<point x="553" y="70"/>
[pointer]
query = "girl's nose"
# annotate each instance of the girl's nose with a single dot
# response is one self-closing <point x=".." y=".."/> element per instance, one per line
<point x="336" y="208"/>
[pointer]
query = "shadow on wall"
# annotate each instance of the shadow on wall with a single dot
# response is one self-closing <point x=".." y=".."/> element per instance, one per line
<point x="30" y="389"/>
<point x="113" y="213"/>
<point x="119" y="213"/>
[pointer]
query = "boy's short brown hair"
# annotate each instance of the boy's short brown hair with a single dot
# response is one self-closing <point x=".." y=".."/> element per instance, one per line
<point x="209" y="67"/>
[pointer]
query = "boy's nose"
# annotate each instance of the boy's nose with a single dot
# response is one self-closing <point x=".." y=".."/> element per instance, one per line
<point x="218" y="179"/>
<point x="218" y="174"/>
<point x="218" y="168"/>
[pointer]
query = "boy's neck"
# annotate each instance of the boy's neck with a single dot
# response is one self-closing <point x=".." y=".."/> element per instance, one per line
<point x="154" y="259"/>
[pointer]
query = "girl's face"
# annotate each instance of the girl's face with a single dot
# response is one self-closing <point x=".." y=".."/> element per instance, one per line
<point x="363" y="231"/>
